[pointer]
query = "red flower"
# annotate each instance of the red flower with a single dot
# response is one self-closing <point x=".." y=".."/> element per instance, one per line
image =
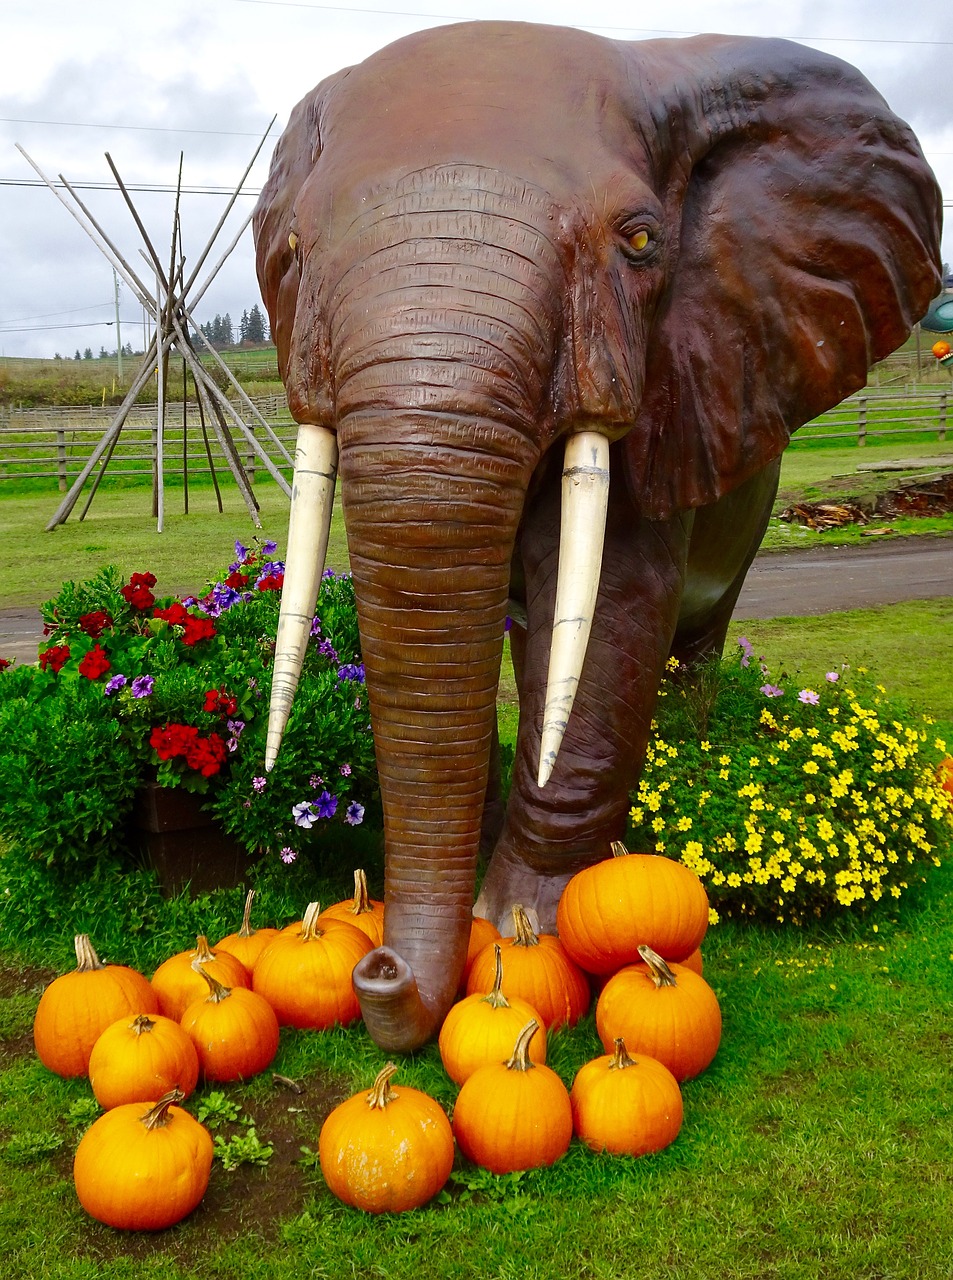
<point x="4" y="663"/>
<point x="176" y="614"/>
<point x="94" y="663"/>
<point x="206" y="755"/>
<point x="55" y="657"/>
<point x="236" y="581"/>
<point x="138" y="592"/>
<point x="197" y="629"/>
<point x="220" y="702"/>
<point x="95" y="623"/>
<point x="273" y="582"/>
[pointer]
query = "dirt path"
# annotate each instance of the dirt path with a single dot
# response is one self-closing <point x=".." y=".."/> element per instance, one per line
<point x="779" y="584"/>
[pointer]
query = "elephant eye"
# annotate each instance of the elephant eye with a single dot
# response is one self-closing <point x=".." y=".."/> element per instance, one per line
<point x="639" y="240"/>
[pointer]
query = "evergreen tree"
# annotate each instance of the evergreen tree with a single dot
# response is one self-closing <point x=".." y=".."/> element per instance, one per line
<point x="243" y="328"/>
<point x="88" y="353"/>
<point x="255" y="329"/>
<point x="77" y="356"/>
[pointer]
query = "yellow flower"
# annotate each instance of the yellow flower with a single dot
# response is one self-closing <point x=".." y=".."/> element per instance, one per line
<point x="684" y="823"/>
<point x="810" y="766"/>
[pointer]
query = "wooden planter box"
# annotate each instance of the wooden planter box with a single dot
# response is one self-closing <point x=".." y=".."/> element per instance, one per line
<point x="183" y="843"/>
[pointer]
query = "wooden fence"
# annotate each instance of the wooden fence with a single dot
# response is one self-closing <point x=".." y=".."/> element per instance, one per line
<point x="55" y="443"/>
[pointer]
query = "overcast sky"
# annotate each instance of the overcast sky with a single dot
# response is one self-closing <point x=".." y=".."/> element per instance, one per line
<point x="146" y="80"/>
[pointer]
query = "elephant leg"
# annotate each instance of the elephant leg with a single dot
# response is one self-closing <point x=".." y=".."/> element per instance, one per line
<point x="725" y="539"/>
<point x="551" y="833"/>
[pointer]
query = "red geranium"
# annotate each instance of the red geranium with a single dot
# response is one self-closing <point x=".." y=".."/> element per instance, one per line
<point x="169" y="740"/>
<point x="206" y="755"/>
<point x="197" y="629"/>
<point x="4" y="663"/>
<point x="55" y="657"/>
<point x="176" y="614"/>
<point x="95" y="663"/>
<point x="95" y="623"/>
<point x="138" y="592"/>
<point x="220" y="702"/>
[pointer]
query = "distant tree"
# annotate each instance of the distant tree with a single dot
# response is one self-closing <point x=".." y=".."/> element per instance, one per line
<point x="88" y="353"/>
<point x="243" y="328"/>
<point x="57" y="356"/>
<point x="255" y="328"/>
<point x="228" y="337"/>
<point x="104" y="354"/>
<point x="127" y="349"/>
<point x="77" y="356"/>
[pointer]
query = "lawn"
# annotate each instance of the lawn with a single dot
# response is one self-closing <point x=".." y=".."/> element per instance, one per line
<point x="815" y="1147"/>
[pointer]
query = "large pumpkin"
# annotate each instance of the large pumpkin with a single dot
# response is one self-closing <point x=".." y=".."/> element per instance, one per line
<point x="626" y="1104"/>
<point x="141" y="1167"/>
<point x="513" y="1115"/>
<point x="305" y="975"/>
<point x="388" y="1150"/>
<point x="607" y="911"/>
<point x="481" y="1029"/>
<point x="538" y="970"/>
<point x="665" y="1011"/>
<point x="141" y="1059"/>
<point x="247" y="943"/>
<point x="362" y="911"/>
<point x="177" y="984"/>
<point x="234" y="1031"/>
<point x="76" y="1008"/>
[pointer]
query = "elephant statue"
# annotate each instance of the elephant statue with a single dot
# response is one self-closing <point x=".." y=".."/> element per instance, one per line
<point x="552" y="305"/>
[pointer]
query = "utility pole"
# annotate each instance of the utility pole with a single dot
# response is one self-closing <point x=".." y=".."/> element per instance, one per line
<point x="118" y="333"/>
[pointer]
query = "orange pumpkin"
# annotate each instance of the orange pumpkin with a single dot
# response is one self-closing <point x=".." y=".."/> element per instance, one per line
<point x="142" y="1168"/>
<point x="483" y="932"/>
<point x="177" y="984"/>
<point x="76" y="1008"/>
<point x="388" y="1150"/>
<point x="538" y="970"/>
<point x="666" y="1012"/>
<point x="141" y="1060"/>
<point x="362" y="911"/>
<point x="626" y="1105"/>
<point x="941" y="349"/>
<point x="247" y="944"/>
<point x="944" y="774"/>
<point x="234" y="1030"/>
<point x="515" y="1114"/>
<point x="482" y="1028"/>
<point x="608" y="910"/>
<point x="305" y="975"/>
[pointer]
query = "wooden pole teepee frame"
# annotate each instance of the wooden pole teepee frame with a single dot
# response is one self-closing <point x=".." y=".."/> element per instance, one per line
<point x="172" y="302"/>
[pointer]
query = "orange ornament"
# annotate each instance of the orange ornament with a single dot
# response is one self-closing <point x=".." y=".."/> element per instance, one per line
<point x="941" y="349"/>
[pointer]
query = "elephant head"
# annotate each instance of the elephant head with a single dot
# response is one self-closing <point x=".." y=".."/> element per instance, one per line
<point x="505" y="261"/>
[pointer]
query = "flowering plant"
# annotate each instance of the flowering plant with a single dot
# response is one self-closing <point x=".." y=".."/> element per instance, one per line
<point x="791" y="802"/>
<point x="130" y="688"/>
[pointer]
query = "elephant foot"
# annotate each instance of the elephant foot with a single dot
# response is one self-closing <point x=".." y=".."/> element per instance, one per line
<point x="510" y="881"/>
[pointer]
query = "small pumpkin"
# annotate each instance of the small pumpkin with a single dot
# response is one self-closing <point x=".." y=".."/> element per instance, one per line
<point x="538" y="970"/>
<point x="481" y="1029"/>
<point x="362" y="911"/>
<point x="234" y="1030"/>
<point x="77" y="1007"/>
<point x="142" y="1167"/>
<point x="386" y="1151"/>
<point x="305" y="975"/>
<point x="247" y="943"/>
<point x="177" y="984"/>
<point x="515" y="1114"/>
<point x="665" y="1011"/>
<point x="483" y="932"/>
<point x="941" y="349"/>
<point x="608" y="910"/>
<point x="142" y="1059"/>
<point x="624" y="1104"/>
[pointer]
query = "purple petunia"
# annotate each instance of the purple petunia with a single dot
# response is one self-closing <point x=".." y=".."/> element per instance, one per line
<point x="114" y="684"/>
<point x="269" y="548"/>
<point x="327" y="650"/>
<point x="142" y="686"/>
<point x="315" y="626"/>
<point x="351" y="671"/>
<point x="355" y="814"/>
<point x="304" y="814"/>
<point x="327" y="804"/>
<point x="240" y="551"/>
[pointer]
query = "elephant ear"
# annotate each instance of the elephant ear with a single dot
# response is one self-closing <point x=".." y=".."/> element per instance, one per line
<point x="808" y="248"/>
<point x="273" y="223"/>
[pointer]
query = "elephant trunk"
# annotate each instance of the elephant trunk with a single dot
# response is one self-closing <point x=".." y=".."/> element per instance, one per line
<point x="431" y="605"/>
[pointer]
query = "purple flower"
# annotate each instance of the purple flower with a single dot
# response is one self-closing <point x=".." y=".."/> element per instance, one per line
<point x="771" y="691"/>
<point x="304" y="814"/>
<point x="270" y="569"/>
<point x="507" y="623"/>
<point x="832" y="676"/>
<point x="287" y="855"/>
<point x="114" y="684"/>
<point x="315" y="781"/>
<point x="351" y="671"/>
<point x="345" y="771"/>
<point x="328" y="573"/>
<point x="269" y="548"/>
<point x="259" y="783"/>
<point x="327" y="804"/>
<point x="240" y="551"/>
<point x="355" y="814"/>
<point x="327" y="650"/>
<point x="222" y="598"/>
<point x="747" y="649"/>
<point x="142" y="686"/>
<point x="236" y="728"/>
<point x="315" y="626"/>
<point x="808" y="695"/>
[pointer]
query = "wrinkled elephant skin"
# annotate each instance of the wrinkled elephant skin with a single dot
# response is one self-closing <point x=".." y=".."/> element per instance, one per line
<point x="491" y="244"/>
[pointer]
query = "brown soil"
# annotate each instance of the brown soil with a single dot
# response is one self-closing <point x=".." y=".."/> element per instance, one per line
<point x="923" y="496"/>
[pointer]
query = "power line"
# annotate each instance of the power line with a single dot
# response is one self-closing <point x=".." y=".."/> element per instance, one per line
<point x="156" y="188"/>
<point x="133" y="128"/>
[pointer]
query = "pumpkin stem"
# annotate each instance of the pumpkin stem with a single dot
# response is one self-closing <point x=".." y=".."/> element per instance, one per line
<point x="142" y="1022"/>
<point x="381" y="1093"/>
<point x="158" y="1116"/>
<point x="246" y="931"/>
<point x="495" y="998"/>
<point x="218" y="991"/>
<point x="362" y="902"/>
<point x="618" y="849"/>
<point x="620" y="1058"/>
<point x="661" y="973"/>
<point x="203" y="952"/>
<point x="524" y="935"/>
<point x="521" y="1061"/>
<point x="309" y="925"/>
<point x="86" y="957"/>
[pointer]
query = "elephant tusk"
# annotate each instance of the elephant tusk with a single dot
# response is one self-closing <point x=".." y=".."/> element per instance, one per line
<point x="309" y="526"/>
<point x="585" y="497"/>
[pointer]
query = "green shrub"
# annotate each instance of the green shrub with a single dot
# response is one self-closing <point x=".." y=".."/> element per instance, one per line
<point x="791" y="804"/>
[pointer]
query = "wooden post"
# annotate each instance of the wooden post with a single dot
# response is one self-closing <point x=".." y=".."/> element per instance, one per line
<point x="861" y="422"/>
<point x="61" y="458"/>
<point x="942" y="414"/>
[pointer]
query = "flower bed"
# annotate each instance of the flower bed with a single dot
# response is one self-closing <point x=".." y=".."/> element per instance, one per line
<point x="791" y="803"/>
<point x="130" y="688"/>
